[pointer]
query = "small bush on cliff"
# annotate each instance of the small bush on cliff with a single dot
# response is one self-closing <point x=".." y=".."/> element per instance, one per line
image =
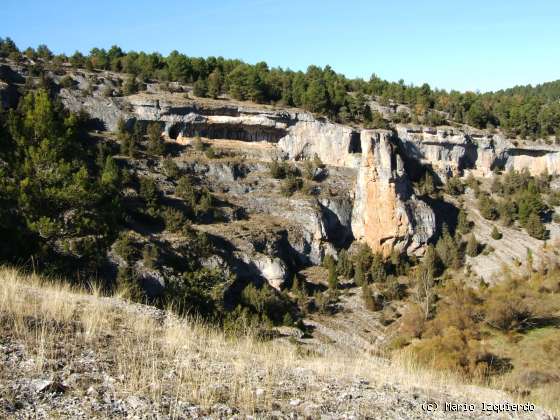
<point x="149" y="193"/>
<point x="472" y="248"/>
<point x="210" y="153"/>
<point x="279" y="169"/>
<point x="128" y="284"/>
<point x="378" y="268"/>
<point x="464" y="226"/>
<point x="488" y="207"/>
<point x="427" y="185"/>
<point x="150" y="256"/>
<point x="455" y="186"/>
<point x="333" y="277"/>
<point x="290" y="185"/>
<point x="125" y="247"/>
<point x="170" y="168"/>
<point x="448" y="250"/>
<point x="344" y="266"/>
<point x="370" y="301"/>
<point x="198" y="144"/>
<point x="496" y="234"/>
<point x="131" y="86"/>
<point x="186" y="191"/>
<point x="174" y="220"/>
<point x="266" y="303"/>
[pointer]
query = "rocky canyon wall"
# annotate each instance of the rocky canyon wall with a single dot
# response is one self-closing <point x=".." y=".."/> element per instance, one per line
<point x="385" y="212"/>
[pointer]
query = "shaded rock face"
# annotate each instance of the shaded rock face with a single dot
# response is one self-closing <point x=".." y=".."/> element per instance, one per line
<point x="104" y="112"/>
<point x="386" y="214"/>
<point x="447" y="152"/>
<point x="308" y="236"/>
<point x="9" y="96"/>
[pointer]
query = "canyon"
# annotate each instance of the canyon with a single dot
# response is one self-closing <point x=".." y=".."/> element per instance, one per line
<point x="367" y="190"/>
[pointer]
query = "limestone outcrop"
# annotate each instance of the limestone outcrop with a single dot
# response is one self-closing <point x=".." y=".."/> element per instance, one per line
<point x="386" y="213"/>
<point x="450" y="151"/>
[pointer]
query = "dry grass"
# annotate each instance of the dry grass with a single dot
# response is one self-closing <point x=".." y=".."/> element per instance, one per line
<point x="185" y="359"/>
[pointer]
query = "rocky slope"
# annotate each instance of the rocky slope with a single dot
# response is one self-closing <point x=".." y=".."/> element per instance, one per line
<point x="67" y="355"/>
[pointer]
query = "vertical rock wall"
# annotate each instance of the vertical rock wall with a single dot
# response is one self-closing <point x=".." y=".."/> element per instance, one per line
<point x="386" y="214"/>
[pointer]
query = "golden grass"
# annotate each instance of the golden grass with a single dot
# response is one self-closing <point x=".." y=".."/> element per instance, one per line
<point x="184" y="358"/>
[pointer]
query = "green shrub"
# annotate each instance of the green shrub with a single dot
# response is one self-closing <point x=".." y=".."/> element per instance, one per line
<point x="174" y="220"/>
<point x="131" y="86"/>
<point x="200" y="88"/>
<point x="265" y="302"/>
<point x="370" y="301"/>
<point x="198" y="144"/>
<point x="67" y="82"/>
<point x="488" y="207"/>
<point x="344" y="266"/>
<point x="455" y="186"/>
<point x="125" y="247"/>
<point x="290" y="185"/>
<point x="333" y="277"/>
<point x="472" y="248"/>
<point x="150" y="256"/>
<point x="464" y="226"/>
<point x="149" y="192"/>
<point x="535" y="227"/>
<point x="210" y="153"/>
<point x="279" y="169"/>
<point x="156" y="144"/>
<point x="496" y="234"/>
<point x="170" y="168"/>
<point x="448" y="251"/>
<point x="186" y="191"/>
<point x="128" y="284"/>
<point x="378" y="268"/>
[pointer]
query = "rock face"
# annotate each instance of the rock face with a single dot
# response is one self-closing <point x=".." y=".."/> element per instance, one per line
<point x="334" y="144"/>
<point x="450" y="151"/>
<point x="386" y="214"/>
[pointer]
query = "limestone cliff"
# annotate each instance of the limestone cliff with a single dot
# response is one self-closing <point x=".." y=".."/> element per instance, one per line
<point x="386" y="214"/>
<point x="450" y="151"/>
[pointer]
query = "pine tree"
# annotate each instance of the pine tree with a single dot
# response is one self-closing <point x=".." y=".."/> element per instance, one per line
<point x="333" y="277"/>
<point x="215" y="83"/>
<point x="110" y="175"/>
<point x="472" y="246"/>
<point x="447" y="250"/>
<point x="378" y="270"/>
<point x="368" y="298"/>
<point x="463" y="224"/>
<point x="131" y="86"/>
<point x="359" y="277"/>
<point x="200" y="88"/>
<point x="156" y="145"/>
<point x="535" y="226"/>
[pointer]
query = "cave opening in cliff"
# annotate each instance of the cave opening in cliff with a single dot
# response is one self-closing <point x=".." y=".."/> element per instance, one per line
<point x="249" y="133"/>
<point x="355" y="145"/>
<point x="174" y="131"/>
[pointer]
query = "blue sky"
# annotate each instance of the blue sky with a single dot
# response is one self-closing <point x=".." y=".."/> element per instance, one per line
<point x="464" y="45"/>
